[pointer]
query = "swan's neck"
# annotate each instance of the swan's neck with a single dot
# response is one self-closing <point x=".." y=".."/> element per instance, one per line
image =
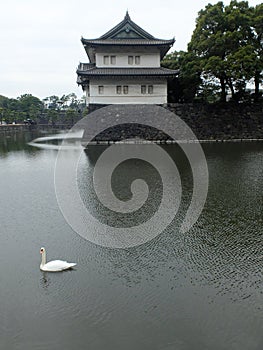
<point x="43" y="261"/>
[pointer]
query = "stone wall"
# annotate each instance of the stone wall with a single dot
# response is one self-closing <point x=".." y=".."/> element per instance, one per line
<point x="222" y="121"/>
<point x="10" y="128"/>
<point x="208" y="122"/>
<point x="14" y="127"/>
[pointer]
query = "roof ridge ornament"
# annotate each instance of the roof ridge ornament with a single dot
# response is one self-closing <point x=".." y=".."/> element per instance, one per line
<point x="127" y="16"/>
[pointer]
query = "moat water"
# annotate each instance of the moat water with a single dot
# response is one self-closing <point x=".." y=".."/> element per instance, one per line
<point x="198" y="290"/>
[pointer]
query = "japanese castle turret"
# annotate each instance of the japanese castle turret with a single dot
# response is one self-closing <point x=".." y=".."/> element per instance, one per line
<point x="125" y="67"/>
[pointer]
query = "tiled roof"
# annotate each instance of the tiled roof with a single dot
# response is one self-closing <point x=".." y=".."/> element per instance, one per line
<point x="127" y="72"/>
<point x="127" y="42"/>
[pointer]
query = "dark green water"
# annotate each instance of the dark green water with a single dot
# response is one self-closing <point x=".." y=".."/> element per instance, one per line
<point x="200" y="290"/>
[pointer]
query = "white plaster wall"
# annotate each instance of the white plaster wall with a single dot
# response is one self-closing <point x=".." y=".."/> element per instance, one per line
<point x="149" y="99"/>
<point x="147" y="59"/>
<point x="134" y="95"/>
<point x="150" y="56"/>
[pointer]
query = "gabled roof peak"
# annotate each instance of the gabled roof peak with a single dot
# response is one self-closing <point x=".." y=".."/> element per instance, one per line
<point x="127" y="16"/>
<point x="127" y="29"/>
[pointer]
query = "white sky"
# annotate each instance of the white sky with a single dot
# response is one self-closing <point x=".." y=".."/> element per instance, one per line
<point x="40" y="40"/>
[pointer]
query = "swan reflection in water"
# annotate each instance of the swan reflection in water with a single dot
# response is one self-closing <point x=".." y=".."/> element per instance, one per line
<point x="45" y="281"/>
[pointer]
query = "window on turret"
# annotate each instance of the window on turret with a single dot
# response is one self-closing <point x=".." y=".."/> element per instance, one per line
<point x="125" y="89"/>
<point x="113" y="60"/>
<point x="146" y="89"/>
<point x="134" y="60"/>
<point x="118" y="89"/>
<point x="106" y="60"/>
<point x="137" y="59"/>
<point x="101" y="89"/>
<point x="143" y="89"/>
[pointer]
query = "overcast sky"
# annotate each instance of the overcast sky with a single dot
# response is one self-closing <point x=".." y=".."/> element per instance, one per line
<point x="40" y="40"/>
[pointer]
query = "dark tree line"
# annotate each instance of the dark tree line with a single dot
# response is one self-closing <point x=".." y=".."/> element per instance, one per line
<point x="224" y="56"/>
<point x="51" y="110"/>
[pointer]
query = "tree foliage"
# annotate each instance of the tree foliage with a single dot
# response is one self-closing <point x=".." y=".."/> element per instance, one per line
<point x="53" y="109"/>
<point x="186" y="86"/>
<point x="225" y="52"/>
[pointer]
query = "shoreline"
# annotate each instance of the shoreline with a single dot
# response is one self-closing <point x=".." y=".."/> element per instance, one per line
<point x="22" y="127"/>
<point x="168" y="142"/>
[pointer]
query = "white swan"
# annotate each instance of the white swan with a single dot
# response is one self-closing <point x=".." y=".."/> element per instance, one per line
<point x="55" y="265"/>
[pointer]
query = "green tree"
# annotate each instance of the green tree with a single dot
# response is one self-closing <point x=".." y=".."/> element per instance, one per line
<point x="257" y="26"/>
<point x="52" y="102"/>
<point x="52" y="116"/>
<point x="223" y="41"/>
<point x="1" y="115"/>
<point x="65" y="108"/>
<point x="30" y="105"/>
<point x="185" y="87"/>
<point x="70" y="116"/>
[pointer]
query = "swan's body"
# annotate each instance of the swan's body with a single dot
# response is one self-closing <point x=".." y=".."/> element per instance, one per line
<point x="55" y="265"/>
